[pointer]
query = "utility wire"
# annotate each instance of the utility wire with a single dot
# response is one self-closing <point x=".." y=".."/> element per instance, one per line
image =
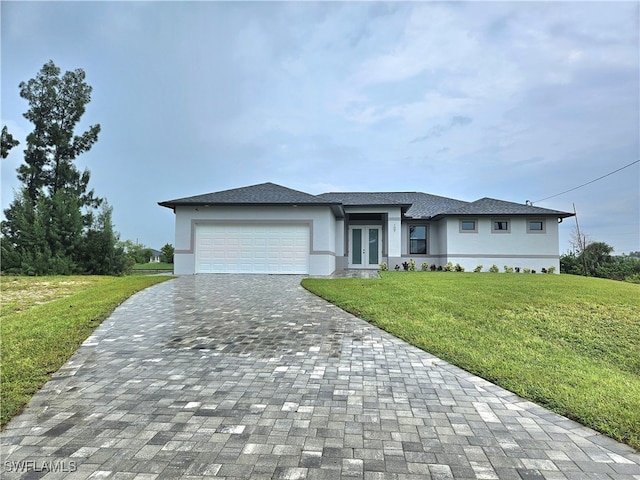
<point x="584" y="184"/>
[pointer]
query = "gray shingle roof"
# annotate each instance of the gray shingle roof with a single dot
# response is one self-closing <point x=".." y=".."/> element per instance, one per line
<point x="261" y="194"/>
<point x="414" y="204"/>
<point x="419" y="205"/>
<point x="425" y="205"/>
<point x="491" y="206"/>
<point x="353" y="199"/>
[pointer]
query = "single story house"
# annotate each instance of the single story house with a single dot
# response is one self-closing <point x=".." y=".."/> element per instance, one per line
<point x="268" y="228"/>
<point x="155" y="256"/>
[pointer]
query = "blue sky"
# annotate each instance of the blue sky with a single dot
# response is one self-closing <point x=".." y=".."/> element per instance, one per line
<point x="511" y="100"/>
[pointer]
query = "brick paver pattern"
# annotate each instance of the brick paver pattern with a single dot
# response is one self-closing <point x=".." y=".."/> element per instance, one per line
<point x="234" y="376"/>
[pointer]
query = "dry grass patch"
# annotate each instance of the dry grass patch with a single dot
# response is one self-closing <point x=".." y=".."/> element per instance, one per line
<point x="21" y="293"/>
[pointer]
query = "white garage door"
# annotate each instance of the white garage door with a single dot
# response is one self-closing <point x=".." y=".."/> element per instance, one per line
<point x="252" y="248"/>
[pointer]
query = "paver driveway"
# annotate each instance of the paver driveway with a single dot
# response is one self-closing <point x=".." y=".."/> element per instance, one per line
<point x="253" y="377"/>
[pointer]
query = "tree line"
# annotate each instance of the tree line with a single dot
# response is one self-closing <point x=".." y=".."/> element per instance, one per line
<point x="595" y="259"/>
<point x="56" y="224"/>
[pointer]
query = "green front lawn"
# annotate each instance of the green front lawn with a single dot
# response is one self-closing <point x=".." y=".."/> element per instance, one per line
<point x="44" y="320"/>
<point x="571" y="344"/>
<point x="153" y="266"/>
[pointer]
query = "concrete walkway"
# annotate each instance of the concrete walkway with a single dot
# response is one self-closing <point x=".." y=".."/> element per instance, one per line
<point x="253" y="377"/>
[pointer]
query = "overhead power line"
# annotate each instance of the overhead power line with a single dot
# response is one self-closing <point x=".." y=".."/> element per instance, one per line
<point x="584" y="184"/>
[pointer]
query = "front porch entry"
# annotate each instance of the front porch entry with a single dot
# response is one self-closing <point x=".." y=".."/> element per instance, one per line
<point x="365" y="246"/>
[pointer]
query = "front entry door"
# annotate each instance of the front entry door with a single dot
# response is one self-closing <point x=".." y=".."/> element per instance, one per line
<point x="365" y="246"/>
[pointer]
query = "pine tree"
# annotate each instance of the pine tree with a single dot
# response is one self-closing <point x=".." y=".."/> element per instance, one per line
<point x="49" y="220"/>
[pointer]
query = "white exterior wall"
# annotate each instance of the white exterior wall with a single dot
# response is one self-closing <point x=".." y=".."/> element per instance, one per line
<point x="341" y="259"/>
<point x="518" y="248"/>
<point x="437" y="238"/>
<point x="436" y="243"/>
<point x="321" y="223"/>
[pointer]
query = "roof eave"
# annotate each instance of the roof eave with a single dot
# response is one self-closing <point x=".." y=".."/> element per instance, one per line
<point x="440" y="216"/>
<point x="173" y="204"/>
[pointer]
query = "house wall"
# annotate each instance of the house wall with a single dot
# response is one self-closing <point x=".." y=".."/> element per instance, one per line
<point x="321" y="220"/>
<point x="515" y="248"/>
<point x="341" y="243"/>
<point x="436" y="243"/>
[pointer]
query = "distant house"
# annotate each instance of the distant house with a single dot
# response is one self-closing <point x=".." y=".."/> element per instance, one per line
<point x="155" y="256"/>
<point x="268" y="228"/>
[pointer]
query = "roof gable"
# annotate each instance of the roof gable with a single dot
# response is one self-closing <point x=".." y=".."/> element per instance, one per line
<point x="492" y="206"/>
<point x="261" y="194"/>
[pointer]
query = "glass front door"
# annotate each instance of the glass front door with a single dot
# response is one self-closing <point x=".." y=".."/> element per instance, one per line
<point x="365" y="247"/>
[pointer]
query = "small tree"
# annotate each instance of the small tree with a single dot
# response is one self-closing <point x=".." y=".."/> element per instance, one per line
<point x="102" y="255"/>
<point x="137" y="252"/>
<point x="166" y="253"/>
<point x="595" y="256"/>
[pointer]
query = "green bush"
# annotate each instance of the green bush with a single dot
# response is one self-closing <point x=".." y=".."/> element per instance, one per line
<point x="494" y="268"/>
<point x="635" y="278"/>
<point x="448" y="267"/>
<point x="384" y="267"/>
<point x="478" y="269"/>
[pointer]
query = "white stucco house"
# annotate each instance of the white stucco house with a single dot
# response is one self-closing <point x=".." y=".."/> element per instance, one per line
<point x="268" y="228"/>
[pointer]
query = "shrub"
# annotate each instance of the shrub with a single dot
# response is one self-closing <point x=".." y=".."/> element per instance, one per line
<point x="448" y="267"/>
<point x="433" y="267"/>
<point x="551" y="269"/>
<point x="635" y="278"/>
<point x="527" y="270"/>
<point x="508" y="269"/>
<point x="494" y="268"/>
<point x="384" y="267"/>
<point x="439" y="268"/>
<point x="412" y="265"/>
<point x="478" y="269"/>
<point x="459" y="268"/>
<point x="424" y="267"/>
<point x="517" y="269"/>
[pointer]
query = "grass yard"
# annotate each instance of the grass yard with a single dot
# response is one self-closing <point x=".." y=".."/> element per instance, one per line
<point x="153" y="266"/>
<point x="569" y="343"/>
<point x="44" y="320"/>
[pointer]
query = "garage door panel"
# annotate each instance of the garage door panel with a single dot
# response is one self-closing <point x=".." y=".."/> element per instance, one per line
<point x="248" y="248"/>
